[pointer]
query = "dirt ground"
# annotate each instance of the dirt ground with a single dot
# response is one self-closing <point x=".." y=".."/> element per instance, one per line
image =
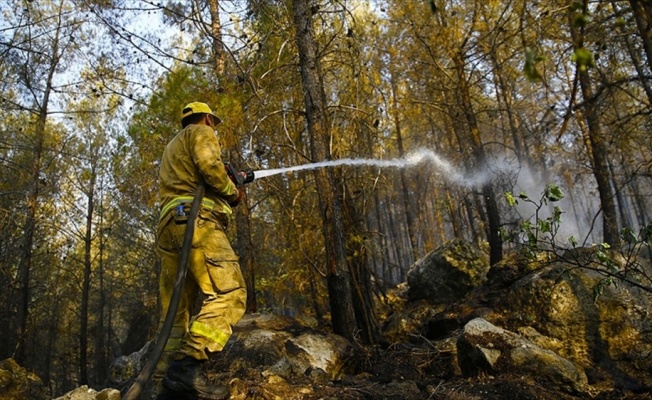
<point x="402" y="372"/>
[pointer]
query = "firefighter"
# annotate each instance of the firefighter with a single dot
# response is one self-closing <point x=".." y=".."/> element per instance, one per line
<point x="192" y="156"/>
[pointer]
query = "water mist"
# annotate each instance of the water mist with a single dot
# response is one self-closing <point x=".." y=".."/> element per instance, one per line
<point x="412" y="159"/>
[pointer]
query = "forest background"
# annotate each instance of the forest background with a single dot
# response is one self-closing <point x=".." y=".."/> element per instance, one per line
<point x="515" y="95"/>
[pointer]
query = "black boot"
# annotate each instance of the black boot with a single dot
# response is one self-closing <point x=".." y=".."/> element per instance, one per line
<point x="186" y="377"/>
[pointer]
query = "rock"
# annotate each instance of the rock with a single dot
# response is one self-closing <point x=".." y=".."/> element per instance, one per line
<point x="125" y="368"/>
<point x="483" y="347"/>
<point x="602" y="325"/>
<point x="84" y="393"/>
<point x="16" y="383"/>
<point x="401" y="324"/>
<point x="281" y="346"/>
<point x="448" y="273"/>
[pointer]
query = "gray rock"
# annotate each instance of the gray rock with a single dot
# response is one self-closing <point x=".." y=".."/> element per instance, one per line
<point x="85" y="393"/>
<point x="268" y="340"/>
<point x="448" y="273"/>
<point x="483" y="347"/>
<point x="601" y="325"/>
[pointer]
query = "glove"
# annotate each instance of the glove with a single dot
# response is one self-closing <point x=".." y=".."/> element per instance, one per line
<point x="237" y="200"/>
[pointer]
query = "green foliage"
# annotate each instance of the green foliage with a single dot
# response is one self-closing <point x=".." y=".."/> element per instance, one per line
<point x="532" y="231"/>
<point x="394" y="74"/>
<point x="580" y="20"/>
<point x="540" y="235"/>
<point x="530" y="66"/>
<point x="583" y="58"/>
<point x="620" y="22"/>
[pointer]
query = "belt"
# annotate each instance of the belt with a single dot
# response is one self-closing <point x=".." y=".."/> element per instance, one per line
<point x="181" y="200"/>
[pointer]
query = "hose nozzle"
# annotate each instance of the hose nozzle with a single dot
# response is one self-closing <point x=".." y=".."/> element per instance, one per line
<point x="239" y="177"/>
<point x="247" y="176"/>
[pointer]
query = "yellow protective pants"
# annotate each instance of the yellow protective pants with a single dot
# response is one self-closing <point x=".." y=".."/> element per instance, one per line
<point x="213" y="270"/>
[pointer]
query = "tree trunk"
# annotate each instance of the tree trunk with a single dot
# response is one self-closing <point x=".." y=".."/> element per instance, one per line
<point x="29" y="227"/>
<point x="339" y="280"/>
<point x="407" y="204"/>
<point x="504" y="94"/>
<point x="479" y="162"/>
<point x="642" y="11"/>
<point x="101" y="356"/>
<point x="86" y="283"/>
<point x="245" y="250"/>
<point x="597" y="143"/>
<point x="362" y="295"/>
<point x="216" y="35"/>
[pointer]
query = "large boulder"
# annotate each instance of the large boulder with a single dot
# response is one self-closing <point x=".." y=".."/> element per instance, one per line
<point x="16" y="383"/>
<point x="486" y="348"/>
<point x="277" y="345"/>
<point x="603" y="325"/>
<point x="448" y="273"/>
<point x="125" y="368"/>
<point x="86" y="393"/>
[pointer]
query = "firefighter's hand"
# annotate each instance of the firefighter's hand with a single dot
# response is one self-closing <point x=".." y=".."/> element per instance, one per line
<point x="241" y="194"/>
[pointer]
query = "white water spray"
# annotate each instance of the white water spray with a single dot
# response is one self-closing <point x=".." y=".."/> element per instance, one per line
<point x="412" y="159"/>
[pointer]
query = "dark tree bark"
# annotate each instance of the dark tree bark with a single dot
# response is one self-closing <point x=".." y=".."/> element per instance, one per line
<point x="245" y="250"/>
<point x="407" y="204"/>
<point x="642" y="11"/>
<point x="479" y="161"/>
<point x="216" y="34"/>
<point x="86" y="282"/>
<point x="362" y="295"/>
<point x="330" y="194"/>
<point x="596" y="141"/>
<point x="33" y="195"/>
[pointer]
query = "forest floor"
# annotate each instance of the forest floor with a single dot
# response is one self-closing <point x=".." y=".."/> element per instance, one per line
<point x="405" y="372"/>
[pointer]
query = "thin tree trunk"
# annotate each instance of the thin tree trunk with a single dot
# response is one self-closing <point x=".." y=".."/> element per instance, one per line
<point x="505" y="94"/>
<point x="244" y="242"/>
<point x="597" y="142"/>
<point x="216" y="33"/>
<point x="29" y="227"/>
<point x="480" y="162"/>
<point x="407" y="204"/>
<point x="101" y="356"/>
<point x="362" y="295"/>
<point x="86" y="283"/>
<point x="642" y="11"/>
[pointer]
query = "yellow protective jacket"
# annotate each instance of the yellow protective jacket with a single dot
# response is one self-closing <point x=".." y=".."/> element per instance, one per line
<point x="194" y="154"/>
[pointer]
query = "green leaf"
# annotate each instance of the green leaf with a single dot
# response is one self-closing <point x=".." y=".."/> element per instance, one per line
<point x="580" y="20"/>
<point x="553" y="193"/>
<point x="530" y="66"/>
<point x="573" y="241"/>
<point x="556" y="216"/>
<point x="583" y="58"/>
<point x="544" y="226"/>
<point x="523" y="196"/>
<point x="511" y="200"/>
<point x="620" y="22"/>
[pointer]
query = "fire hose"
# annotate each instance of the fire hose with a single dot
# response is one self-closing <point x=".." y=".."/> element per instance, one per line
<point x="239" y="178"/>
<point x="182" y="270"/>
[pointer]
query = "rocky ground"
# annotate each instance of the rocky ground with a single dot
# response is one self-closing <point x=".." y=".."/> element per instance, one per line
<point x="462" y="331"/>
<point x="417" y="370"/>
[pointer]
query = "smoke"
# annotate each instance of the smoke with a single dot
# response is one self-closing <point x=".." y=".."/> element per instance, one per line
<point x="580" y="204"/>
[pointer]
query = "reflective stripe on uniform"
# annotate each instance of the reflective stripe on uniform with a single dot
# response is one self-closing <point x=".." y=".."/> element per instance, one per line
<point x="177" y="201"/>
<point x="215" y="335"/>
